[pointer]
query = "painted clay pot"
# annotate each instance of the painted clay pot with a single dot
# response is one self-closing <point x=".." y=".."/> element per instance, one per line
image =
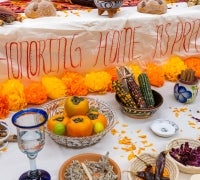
<point x="111" y="6"/>
<point x="186" y="92"/>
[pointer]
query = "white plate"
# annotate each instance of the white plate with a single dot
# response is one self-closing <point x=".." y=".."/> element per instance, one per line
<point x="164" y="128"/>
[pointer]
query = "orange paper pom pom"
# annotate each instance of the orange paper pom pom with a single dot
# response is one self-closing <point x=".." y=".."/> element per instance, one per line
<point x="4" y="106"/>
<point x="75" y="84"/>
<point x="194" y="63"/>
<point x="14" y="90"/>
<point x="155" y="74"/>
<point x="35" y="93"/>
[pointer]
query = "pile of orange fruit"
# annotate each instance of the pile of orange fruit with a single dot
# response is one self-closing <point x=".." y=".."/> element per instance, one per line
<point x="77" y="119"/>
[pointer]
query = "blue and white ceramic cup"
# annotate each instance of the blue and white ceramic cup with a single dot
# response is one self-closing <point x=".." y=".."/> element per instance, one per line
<point x="186" y="92"/>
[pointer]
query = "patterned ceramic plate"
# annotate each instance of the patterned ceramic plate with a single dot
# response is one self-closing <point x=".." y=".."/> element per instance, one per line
<point x="164" y="128"/>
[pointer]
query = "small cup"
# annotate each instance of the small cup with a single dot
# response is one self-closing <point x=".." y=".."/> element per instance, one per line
<point x="3" y="140"/>
<point x="186" y="92"/>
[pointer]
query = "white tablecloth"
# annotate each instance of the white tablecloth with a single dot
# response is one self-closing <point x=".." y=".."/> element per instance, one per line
<point x="13" y="162"/>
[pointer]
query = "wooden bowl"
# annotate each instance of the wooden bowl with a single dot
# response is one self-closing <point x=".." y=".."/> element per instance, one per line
<point x="89" y="157"/>
<point x="141" y="113"/>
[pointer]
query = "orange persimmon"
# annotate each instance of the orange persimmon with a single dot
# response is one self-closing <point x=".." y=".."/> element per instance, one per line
<point x="96" y="116"/>
<point x="76" y="105"/>
<point x="56" y="119"/>
<point x="79" y="126"/>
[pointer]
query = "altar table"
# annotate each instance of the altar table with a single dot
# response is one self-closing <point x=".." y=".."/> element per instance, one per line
<point x="13" y="162"/>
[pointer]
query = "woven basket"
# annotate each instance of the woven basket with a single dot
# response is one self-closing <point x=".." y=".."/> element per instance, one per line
<point x="176" y="143"/>
<point x="138" y="165"/>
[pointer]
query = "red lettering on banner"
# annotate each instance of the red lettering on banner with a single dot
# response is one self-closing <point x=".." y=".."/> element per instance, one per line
<point x="114" y="50"/>
<point x="195" y="34"/>
<point x="162" y="40"/>
<point x="41" y="57"/>
<point x="13" y="61"/>
<point x="78" y="50"/>
<point x="130" y="43"/>
<point x="184" y="39"/>
<point x="178" y="37"/>
<point x="122" y="45"/>
<point x="34" y="58"/>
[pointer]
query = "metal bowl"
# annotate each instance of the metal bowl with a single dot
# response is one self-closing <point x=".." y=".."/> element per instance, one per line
<point x="57" y="107"/>
<point x="141" y="113"/>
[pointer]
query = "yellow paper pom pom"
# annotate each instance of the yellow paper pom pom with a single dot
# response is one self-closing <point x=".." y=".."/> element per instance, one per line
<point x="173" y="67"/>
<point x="98" y="81"/>
<point x="54" y="86"/>
<point x="35" y="93"/>
<point x="75" y="84"/>
<point x="14" y="90"/>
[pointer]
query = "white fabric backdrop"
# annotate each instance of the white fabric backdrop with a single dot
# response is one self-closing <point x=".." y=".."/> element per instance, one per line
<point x="82" y="40"/>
